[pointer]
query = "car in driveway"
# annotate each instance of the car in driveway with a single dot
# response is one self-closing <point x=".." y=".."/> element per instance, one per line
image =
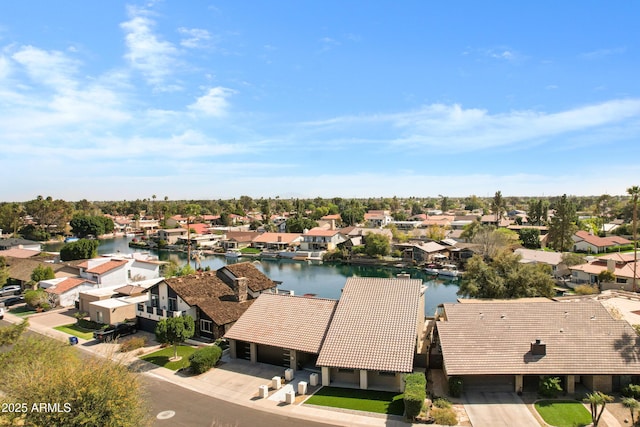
<point x="13" y="301"/>
<point x="10" y="290"/>
<point x="115" y="331"/>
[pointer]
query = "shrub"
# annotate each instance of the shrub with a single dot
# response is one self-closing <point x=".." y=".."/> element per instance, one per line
<point x="205" y="358"/>
<point x="444" y="416"/>
<point x="585" y="290"/>
<point x="456" y="385"/>
<point x="414" y="394"/>
<point x="441" y="403"/>
<point x="632" y="390"/>
<point x="133" y="344"/>
<point x="549" y="386"/>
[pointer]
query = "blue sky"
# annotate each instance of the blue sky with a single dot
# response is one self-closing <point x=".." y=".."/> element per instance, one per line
<point x="122" y="100"/>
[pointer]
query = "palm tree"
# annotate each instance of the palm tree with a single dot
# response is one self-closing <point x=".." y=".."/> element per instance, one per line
<point x="597" y="401"/>
<point x="633" y="405"/>
<point x="634" y="192"/>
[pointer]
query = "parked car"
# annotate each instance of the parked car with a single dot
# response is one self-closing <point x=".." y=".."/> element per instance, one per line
<point x="112" y="332"/>
<point x="10" y="290"/>
<point x="13" y="301"/>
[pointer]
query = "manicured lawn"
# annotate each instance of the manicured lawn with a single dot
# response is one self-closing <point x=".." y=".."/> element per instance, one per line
<point x="563" y="413"/>
<point x="250" y="251"/>
<point x="381" y="402"/>
<point x="74" y="329"/>
<point x="161" y="357"/>
<point x="22" y="311"/>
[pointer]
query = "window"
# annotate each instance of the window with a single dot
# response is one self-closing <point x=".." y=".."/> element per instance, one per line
<point x="100" y="318"/>
<point x="621" y="280"/>
<point x="205" y="326"/>
<point x="155" y="300"/>
<point x="173" y="304"/>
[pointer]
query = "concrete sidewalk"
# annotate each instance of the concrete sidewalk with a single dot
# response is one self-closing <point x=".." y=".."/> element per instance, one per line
<point x="235" y="381"/>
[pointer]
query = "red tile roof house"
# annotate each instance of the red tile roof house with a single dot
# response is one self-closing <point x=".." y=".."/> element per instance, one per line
<point x="587" y="242"/>
<point x="509" y="345"/>
<point x="277" y="241"/>
<point x="318" y="239"/>
<point x="621" y="265"/>
<point x="238" y="239"/>
<point x="108" y="271"/>
<point x="215" y="299"/>
<point x="366" y="340"/>
<point x="65" y="290"/>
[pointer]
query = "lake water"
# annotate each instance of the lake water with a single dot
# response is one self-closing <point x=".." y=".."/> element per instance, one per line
<point x="324" y="280"/>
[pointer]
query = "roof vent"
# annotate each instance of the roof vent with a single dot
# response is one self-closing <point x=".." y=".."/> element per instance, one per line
<point x="538" y="348"/>
<point x="503" y="316"/>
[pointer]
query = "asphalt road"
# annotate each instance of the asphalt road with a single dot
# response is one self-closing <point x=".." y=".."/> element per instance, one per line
<point x="172" y="405"/>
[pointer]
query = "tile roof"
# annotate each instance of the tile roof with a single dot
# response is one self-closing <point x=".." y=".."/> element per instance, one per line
<point x="211" y="295"/>
<point x="107" y="266"/>
<point x="292" y="322"/>
<point x="67" y="284"/>
<point x="277" y="237"/>
<point x="241" y="236"/>
<point x="257" y="281"/>
<point x="531" y="255"/>
<point x="374" y="325"/>
<point x="321" y="232"/>
<point x="581" y="338"/>
<point x="19" y="253"/>
<point x="21" y="268"/>
<point x="130" y="290"/>
<point x="600" y="241"/>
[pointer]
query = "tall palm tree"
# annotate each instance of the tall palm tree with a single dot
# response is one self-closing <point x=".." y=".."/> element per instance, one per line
<point x="634" y="192"/>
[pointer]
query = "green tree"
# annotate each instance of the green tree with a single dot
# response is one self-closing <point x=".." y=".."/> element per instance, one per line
<point x="570" y="259"/>
<point x="49" y="214"/>
<point x="10" y="334"/>
<point x="11" y="217"/>
<point x="597" y="402"/>
<point x="87" y="225"/>
<point x="498" y="206"/>
<point x="80" y="249"/>
<point x="634" y="192"/>
<point x="175" y="330"/>
<point x="530" y="237"/>
<point x="563" y="225"/>
<point x="376" y="245"/>
<point x="481" y="280"/>
<point x="299" y="224"/>
<point x="37" y="298"/>
<point x="91" y="392"/>
<point x="42" y="272"/>
<point x="470" y="230"/>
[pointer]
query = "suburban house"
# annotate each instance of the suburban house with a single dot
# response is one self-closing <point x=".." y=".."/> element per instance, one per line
<point x="509" y="345"/>
<point x="238" y="239"/>
<point x="552" y="259"/>
<point x="20" y="269"/>
<point x="277" y="241"/>
<point x="318" y="239"/>
<point x="378" y="218"/>
<point x="14" y="243"/>
<point x="115" y="303"/>
<point x="171" y="235"/>
<point x="422" y="252"/>
<point x="107" y="271"/>
<point x="621" y="265"/>
<point x="65" y="290"/>
<point x="367" y="339"/>
<point x="584" y="241"/>
<point x="215" y="299"/>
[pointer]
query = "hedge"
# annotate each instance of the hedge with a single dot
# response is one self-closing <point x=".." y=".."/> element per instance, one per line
<point x="456" y="386"/>
<point x="414" y="394"/>
<point x="205" y="358"/>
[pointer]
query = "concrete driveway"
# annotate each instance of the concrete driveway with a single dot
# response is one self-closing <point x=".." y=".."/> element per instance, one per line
<point x="497" y="409"/>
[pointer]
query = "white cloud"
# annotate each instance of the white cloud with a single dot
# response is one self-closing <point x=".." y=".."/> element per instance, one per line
<point x="214" y="102"/>
<point x="156" y="59"/>
<point x="602" y="53"/>
<point x="452" y="128"/>
<point x="50" y="68"/>
<point x="195" y="38"/>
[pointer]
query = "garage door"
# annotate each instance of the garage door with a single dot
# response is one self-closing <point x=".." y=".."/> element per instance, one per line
<point x="489" y="383"/>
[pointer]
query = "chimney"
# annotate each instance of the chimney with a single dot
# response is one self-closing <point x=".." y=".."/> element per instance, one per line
<point x="279" y="239"/>
<point x="611" y="265"/>
<point x="333" y="225"/>
<point x="538" y="348"/>
<point x="240" y="288"/>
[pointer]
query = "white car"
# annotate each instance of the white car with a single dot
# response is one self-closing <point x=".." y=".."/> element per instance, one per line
<point x="11" y="290"/>
<point x="1" y="313"/>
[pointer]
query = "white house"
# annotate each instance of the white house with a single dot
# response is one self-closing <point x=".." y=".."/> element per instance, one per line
<point x="67" y="289"/>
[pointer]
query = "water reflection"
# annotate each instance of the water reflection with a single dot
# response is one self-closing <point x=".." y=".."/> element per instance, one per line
<point x="324" y="280"/>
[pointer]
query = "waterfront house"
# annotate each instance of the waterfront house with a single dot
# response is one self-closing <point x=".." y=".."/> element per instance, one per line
<point x="171" y="235"/>
<point x="16" y="243"/>
<point x="215" y="299"/>
<point x="65" y="290"/>
<point x="318" y="239"/>
<point x="510" y="345"/>
<point x="277" y="241"/>
<point x="620" y="265"/>
<point x="378" y="218"/>
<point x="584" y="241"/>
<point x="552" y="259"/>
<point x="367" y="339"/>
<point x="107" y="271"/>
<point x="238" y="239"/>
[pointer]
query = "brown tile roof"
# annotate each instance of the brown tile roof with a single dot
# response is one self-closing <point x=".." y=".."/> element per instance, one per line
<point x="257" y="281"/>
<point x="130" y="290"/>
<point x="374" y="325"/>
<point x="277" y="237"/>
<point x="66" y="285"/>
<point x="107" y="266"/>
<point x="21" y="268"/>
<point x="211" y="295"/>
<point x="241" y="236"/>
<point x="495" y="339"/>
<point x="19" y="253"/>
<point x="601" y="242"/>
<point x="291" y="322"/>
<point x="321" y="232"/>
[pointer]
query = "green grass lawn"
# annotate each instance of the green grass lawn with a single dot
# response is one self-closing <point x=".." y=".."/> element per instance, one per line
<point x="161" y="357"/>
<point x="381" y="402"/>
<point x="250" y="251"/>
<point x="74" y="329"/>
<point x="563" y="413"/>
<point x="22" y="311"/>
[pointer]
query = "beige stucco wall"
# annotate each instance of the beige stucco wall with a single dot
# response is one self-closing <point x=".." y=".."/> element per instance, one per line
<point x="112" y="315"/>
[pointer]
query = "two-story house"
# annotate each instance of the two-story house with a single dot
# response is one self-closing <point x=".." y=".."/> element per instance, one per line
<point x="318" y="239"/>
<point x="215" y="299"/>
